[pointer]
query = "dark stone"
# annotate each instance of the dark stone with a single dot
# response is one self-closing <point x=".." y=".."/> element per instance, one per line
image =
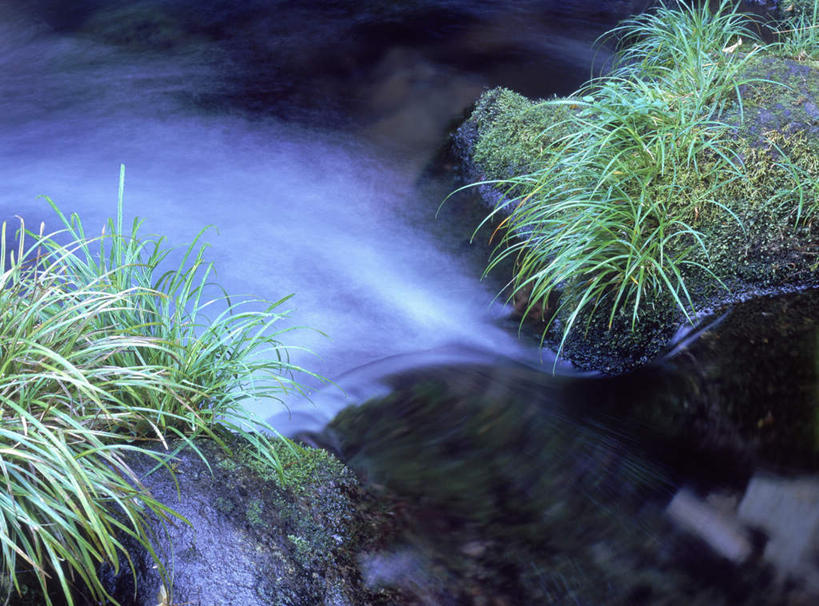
<point x="247" y="539"/>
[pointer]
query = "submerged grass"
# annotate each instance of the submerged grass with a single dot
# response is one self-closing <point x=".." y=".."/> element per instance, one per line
<point x="103" y="355"/>
<point x="609" y="220"/>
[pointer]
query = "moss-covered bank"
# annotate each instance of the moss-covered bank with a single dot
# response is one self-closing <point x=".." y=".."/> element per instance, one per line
<point x="249" y="537"/>
<point x="754" y="213"/>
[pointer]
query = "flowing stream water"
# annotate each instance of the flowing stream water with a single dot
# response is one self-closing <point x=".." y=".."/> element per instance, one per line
<point x="310" y="135"/>
<point x="302" y="131"/>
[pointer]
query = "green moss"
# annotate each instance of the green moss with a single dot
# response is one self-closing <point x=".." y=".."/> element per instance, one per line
<point x="300" y="466"/>
<point x="780" y="92"/>
<point x="751" y="193"/>
<point x="228" y="465"/>
<point x="777" y="197"/>
<point x="224" y="505"/>
<point x="759" y="225"/>
<point x="302" y="546"/>
<point x="312" y="508"/>
<point x="513" y="132"/>
<point x="254" y="511"/>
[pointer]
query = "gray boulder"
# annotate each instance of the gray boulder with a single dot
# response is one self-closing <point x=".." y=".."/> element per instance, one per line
<point x="248" y="538"/>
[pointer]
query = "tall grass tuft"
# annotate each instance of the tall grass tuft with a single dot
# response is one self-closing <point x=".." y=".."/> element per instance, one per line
<point x="799" y="34"/>
<point x="696" y="51"/>
<point x="608" y="220"/>
<point x="103" y="354"/>
<point x="219" y="350"/>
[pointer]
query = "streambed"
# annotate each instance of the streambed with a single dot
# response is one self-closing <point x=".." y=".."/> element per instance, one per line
<point x="310" y="134"/>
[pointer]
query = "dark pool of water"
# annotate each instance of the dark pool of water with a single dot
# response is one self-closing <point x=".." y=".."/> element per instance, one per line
<point x="310" y="134"/>
<point x="517" y="487"/>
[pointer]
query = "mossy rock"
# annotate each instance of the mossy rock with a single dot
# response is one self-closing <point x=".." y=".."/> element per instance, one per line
<point x="248" y="536"/>
<point x="255" y="537"/>
<point x="757" y="238"/>
<point x="512" y="132"/>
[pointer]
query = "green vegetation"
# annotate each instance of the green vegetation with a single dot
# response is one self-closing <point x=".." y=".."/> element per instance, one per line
<point x="799" y="33"/>
<point x="502" y="116"/>
<point x="103" y="354"/>
<point x="631" y="186"/>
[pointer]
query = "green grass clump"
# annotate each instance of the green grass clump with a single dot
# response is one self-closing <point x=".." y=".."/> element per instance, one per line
<point x="103" y="354"/>
<point x="610" y="214"/>
<point x="695" y="52"/>
<point x="799" y="33"/>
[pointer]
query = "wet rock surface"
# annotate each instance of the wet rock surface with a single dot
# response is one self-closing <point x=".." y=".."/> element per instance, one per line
<point x="247" y="539"/>
<point x="748" y="386"/>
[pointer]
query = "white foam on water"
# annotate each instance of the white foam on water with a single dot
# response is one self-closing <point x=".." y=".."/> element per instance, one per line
<point x="295" y="210"/>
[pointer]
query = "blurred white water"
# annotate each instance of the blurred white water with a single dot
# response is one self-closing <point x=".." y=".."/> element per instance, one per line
<point x="295" y="210"/>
